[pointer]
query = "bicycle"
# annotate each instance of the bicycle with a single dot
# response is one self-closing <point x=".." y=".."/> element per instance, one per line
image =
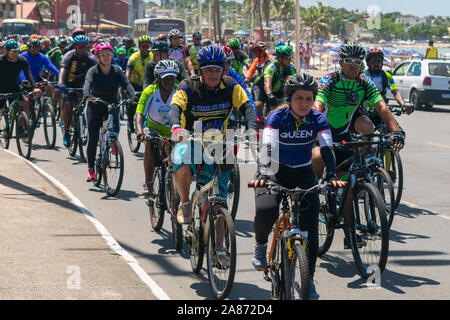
<point x="368" y="226"/>
<point x="165" y="194"/>
<point x="212" y="227"/>
<point x="287" y="260"/>
<point x="41" y="109"/>
<point x="10" y="114"/>
<point x="109" y="162"/>
<point x="391" y="159"/>
<point x="133" y="141"/>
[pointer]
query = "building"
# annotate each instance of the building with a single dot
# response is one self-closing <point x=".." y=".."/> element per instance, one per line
<point x="411" y="20"/>
<point x="29" y="10"/>
<point x="7" y="9"/>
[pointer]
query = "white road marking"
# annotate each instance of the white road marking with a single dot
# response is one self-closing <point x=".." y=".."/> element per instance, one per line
<point x="437" y="145"/>
<point x="112" y="243"/>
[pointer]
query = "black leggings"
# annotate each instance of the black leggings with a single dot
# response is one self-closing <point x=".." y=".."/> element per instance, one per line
<point x="95" y="114"/>
<point x="268" y="208"/>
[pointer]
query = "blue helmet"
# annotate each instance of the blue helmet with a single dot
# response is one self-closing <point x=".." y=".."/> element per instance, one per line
<point x="81" y="39"/>
<point x="11" y="45"/>
<point x="211" y="56"/>
<point x="280" y="43"/>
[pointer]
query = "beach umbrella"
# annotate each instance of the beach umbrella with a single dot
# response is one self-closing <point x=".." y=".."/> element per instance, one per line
<point x="241" y="33"/>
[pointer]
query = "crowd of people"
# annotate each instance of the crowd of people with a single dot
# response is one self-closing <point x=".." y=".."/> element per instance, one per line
<point x="177" y="88"/>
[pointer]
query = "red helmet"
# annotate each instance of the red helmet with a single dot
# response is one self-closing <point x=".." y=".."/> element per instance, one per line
<point x="374" y="52"/>
<point x="228" y="52"/>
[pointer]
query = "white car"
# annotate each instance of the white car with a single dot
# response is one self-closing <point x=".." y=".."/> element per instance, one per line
<point x="423" y="81"/>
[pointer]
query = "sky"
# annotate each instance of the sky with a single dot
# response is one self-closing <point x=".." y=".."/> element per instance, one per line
<point x="414" y="7"/>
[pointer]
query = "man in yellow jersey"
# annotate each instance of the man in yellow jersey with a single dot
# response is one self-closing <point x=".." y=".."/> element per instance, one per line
<point x="431" y="52"/>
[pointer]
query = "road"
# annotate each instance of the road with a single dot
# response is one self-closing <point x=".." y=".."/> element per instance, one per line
<point x="419" y="255"/>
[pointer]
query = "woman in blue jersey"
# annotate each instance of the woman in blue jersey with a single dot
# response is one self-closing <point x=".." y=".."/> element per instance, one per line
<point x="289" y="136"/>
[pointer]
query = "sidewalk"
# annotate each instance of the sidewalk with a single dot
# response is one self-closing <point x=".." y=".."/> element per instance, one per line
<point x="49" y="249"/>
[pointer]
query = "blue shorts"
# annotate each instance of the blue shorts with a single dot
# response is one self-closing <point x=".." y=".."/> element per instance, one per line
<point x="188" y="153"/>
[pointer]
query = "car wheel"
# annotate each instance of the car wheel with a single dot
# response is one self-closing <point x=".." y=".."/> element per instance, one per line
<point x="414" y="99"/>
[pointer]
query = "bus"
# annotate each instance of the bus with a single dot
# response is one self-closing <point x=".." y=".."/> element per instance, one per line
<point x="19" y="26"/>
<point x="156" y="26"/>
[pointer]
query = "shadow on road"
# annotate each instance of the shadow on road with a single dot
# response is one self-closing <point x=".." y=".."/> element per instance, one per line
<point x="435" y="109"/>
<point x="244" y="228"/>
<point x="406" y="211"/>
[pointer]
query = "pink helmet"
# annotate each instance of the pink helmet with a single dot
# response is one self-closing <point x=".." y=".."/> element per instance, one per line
<point x="102" y="46"/>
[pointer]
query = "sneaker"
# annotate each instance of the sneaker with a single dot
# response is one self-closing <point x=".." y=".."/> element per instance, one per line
<point x="313" y="295"/>
<point x="223" y="257"/>
<point x="359" y="241"/>
<point x="259" y="259"/>
<point x="184" y="213"/>
<point x="66" y="139"/>
<point x="91" y="177"/>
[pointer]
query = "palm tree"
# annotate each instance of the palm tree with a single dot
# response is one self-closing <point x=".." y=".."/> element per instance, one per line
<point x="319" y="19"/>
<point x="284" y="10"/>
<point x="266" y="10"/>
<point x="254" y="6"/>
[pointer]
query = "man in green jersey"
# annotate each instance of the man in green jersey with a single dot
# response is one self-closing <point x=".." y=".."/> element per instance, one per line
<point x="339" y="97"/>
<point x="194" y="49"/>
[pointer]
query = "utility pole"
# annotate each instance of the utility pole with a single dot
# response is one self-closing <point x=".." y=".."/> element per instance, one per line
<point x="21" y="9"/>
<point x="200" y="14"/>
<point x="297" y="35"/>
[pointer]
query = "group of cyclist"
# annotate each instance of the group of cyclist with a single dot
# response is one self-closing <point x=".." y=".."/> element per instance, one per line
<point x="195" y="88"/>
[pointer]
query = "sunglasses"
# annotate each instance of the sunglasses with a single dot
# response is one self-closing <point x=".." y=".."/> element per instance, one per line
<point x="81" y="46"/>
<point x="357" y="62"/>
<point x="197" y="38"/>
<point x="145" y="46"/>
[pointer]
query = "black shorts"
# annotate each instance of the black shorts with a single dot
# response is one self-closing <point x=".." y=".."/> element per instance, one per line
<point x="259" y="94"/>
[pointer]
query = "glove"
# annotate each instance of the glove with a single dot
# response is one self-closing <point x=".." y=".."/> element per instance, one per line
<point x="177" y="133"/>
<point x="62" y="87"/>
<point x="271" y="99"/>
<point x="398" y="138"/>
<point x="330" y="176"/>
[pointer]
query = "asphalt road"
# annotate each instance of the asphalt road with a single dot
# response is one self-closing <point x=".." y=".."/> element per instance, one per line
<point x="419" y="255"/>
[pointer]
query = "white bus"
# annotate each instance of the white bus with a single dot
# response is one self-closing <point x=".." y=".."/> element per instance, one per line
<point x="19" y="26"/>
<point x="156" y="26"/>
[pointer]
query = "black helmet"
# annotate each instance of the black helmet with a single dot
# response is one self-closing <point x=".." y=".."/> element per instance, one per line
<point x="300" y="81"/>
<point x="352" y="49"/>
<point x="34" y="43"/>
<point x="197" y="34"/>
<point x="159" y="45"/>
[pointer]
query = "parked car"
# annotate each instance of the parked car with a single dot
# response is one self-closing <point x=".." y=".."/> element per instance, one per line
<point x="423" y="82"/>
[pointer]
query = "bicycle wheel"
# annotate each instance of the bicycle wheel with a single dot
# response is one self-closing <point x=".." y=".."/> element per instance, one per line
<point x="74" y="138"/>
<point x="133" y="142"/>
<point x="4" y="132"/>
<point x="195" y="232"/>
<point x="296" y="264"/>
<point x="32" y="118"/>
<point x="49" y="120"/>
<point x="277" y="271"/>
<point x="172" y="202"/>
<point x="234" y="190"/>
<point x="98" y="166"/>
<point x="393" y="165"/>
<point x="221" y="255"/>
<point x="326" y="222"/>
<point x="157" y="204"/>
<point x="368" y="223"/>
<point x="83" y="138"/>
<point x="383" y="182"/>
<point x="113" y="168"/>
<point x="23" y="135"/>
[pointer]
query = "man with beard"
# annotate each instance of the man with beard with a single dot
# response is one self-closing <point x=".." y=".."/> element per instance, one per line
<point x="383" y="80"/>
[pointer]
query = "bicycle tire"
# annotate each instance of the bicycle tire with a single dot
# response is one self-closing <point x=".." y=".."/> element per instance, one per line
<point x="296" y="279"/>
<point x="195" y="230"/>
<point x="133" y="143"/>
<point x="220" y="288"/>
<point x="277" y="271"/>
<point x="234" y="185"/>
<point x="23" y="138"/>
<point x="172" y="202"/>
<point x="117" y="160"/>
<point x="74" y="138"/>
<point x="395" y="170"/>
<point x="49" y="120"/>
<point x="98" y="166"/>
<point x="32" y="118"/>
<point x="372" y="229"/>
<point x="382" y="180"/>
<point x="156" y="205"/>
<point x="5" y="135"/>
<point x="326" y="223"/>
<point x="83" y="139"/>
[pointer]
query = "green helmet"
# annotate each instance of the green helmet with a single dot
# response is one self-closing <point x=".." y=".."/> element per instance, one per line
<point x="121" y="51"/>
<point x="233" y="43"/>
<point x="283" y="51"/>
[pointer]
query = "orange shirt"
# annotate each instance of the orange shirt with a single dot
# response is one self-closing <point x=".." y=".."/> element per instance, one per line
<point x="258" y="62"/>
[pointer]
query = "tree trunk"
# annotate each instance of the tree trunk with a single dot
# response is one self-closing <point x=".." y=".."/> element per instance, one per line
<point x="219" y="28"/>
<point x="260" y="20"/>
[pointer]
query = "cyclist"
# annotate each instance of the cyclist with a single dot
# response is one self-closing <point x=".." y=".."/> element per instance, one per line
<point x="55" y="55"/>
<point x="383" y="80"/>
<point x="240" y="57"/>
<point x="154" y="107"/>
<point x="38" y="61"/>
<point x="340" y="94"/>
<point x="290" y="132"/>
<point x="204" y="103"/>
<point x="136" y="71"/>
<point x="122" y="59"/>
<point x="194" y="49"/>
<point x="261" y="60"/>
<point x="268" y="86"/>
<point x="11" y="64"/>
<point x="74" y="67"/>
<point x="103" y="81"/>
<point x="178" y="52"/>
<point x="160" y="51"/>
<point x="129" y="45"/>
